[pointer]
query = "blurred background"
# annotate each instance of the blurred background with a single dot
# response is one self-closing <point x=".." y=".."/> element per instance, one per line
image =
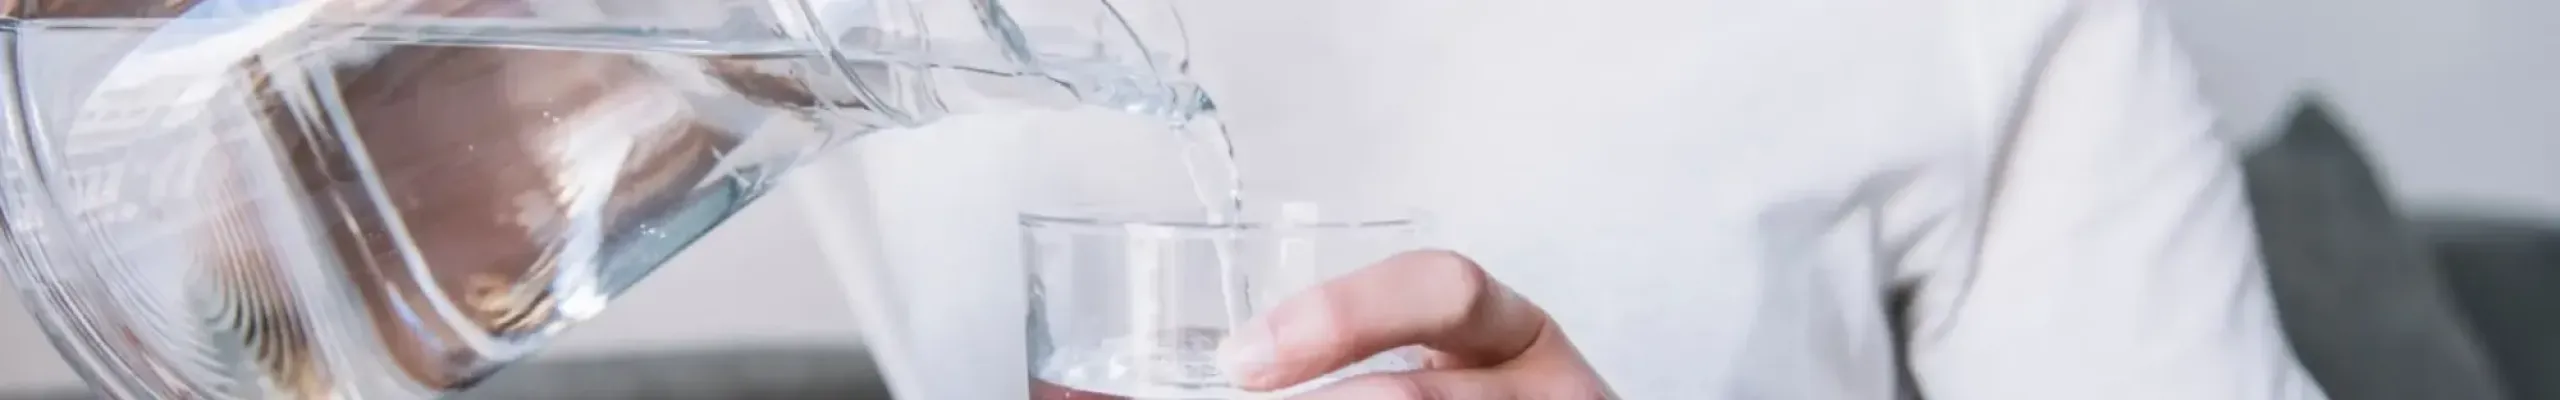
<point x="2452" y="106"/>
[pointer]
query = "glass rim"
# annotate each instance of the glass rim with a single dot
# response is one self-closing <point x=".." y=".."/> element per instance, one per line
<point x="1357" y="217"/>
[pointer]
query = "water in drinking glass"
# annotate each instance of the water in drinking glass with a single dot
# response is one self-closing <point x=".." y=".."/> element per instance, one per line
<point x="1173" y="365"/>
<point x="1126" y="306"/>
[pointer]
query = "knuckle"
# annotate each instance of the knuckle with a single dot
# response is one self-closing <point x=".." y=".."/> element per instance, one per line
<point x="1471" y="287"/>
<point x="1450" y="266"/>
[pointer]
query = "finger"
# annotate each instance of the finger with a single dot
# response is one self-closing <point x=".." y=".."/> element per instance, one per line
<point x="1549" y="369"/>
<point x="1420" y="385"/>
<point x="1436" y="299"/>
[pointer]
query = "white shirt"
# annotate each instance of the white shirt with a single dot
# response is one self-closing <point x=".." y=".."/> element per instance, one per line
<point x="1717" y="199"/>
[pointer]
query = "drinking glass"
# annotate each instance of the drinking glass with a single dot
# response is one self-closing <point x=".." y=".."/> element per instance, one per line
<point x="1133" y="305"/>
<point x="215" y="199"/>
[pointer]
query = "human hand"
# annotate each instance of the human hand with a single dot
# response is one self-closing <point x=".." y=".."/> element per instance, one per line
<point x="1486" y="341"/>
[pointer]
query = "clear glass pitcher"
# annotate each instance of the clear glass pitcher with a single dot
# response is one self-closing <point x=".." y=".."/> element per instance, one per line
<point x="393" y="198"/>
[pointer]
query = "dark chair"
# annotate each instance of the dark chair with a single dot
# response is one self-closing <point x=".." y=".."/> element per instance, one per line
<point x="2505" y="272"/>
<point x="2362" y="299"/>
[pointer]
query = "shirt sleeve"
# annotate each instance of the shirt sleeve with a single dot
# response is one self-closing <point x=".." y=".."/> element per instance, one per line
<point x="2113" y="255"/>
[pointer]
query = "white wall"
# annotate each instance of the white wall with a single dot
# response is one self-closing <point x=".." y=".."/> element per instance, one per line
<point x="2458" y="99"/>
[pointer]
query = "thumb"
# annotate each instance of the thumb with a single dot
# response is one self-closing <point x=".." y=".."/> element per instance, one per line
<point x="1454" y="384"/>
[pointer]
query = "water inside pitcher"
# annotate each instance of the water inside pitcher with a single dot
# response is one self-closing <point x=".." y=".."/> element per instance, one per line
<point x="393" y="198"/>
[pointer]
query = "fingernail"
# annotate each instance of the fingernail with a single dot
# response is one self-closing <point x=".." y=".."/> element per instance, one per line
<point x="1246" y="353"/>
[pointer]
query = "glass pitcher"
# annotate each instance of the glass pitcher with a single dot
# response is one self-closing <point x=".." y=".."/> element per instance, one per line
<point x="393" y="198"/>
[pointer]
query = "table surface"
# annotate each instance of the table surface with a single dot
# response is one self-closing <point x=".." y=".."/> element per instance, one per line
<point x="756" y="373"/>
